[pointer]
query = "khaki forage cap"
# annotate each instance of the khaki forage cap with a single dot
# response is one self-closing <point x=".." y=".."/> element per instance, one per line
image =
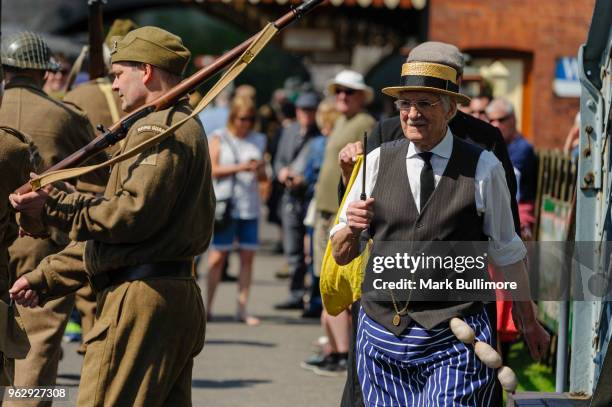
<point x="151" y="45"/>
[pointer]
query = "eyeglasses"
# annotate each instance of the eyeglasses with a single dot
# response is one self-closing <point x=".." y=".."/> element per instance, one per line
<point x="346" y="91"/>
<point x="500" y="119"/>
<point x="246" y="118"/>
<point x="420" y="105"/>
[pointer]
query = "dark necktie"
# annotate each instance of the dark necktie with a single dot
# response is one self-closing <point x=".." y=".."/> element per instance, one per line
<point x="427" y="179"/>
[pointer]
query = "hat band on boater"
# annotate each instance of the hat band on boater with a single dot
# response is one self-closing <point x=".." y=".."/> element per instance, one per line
<point x="429" y="82"/>
<point x="428" y="77"/>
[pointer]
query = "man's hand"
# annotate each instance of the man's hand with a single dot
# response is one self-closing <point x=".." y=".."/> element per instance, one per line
<point x="283" y="174"/>
<point x="526" y="233"/>
<point x="345" y="242"/>
<point x="359" y="215"/>
<point x="294" y="181"/>
<point x="347" y="158"/>
<point x="22" y="294"/>
<point x="254" y="165"/>
<point x="536" y="337"/>
<point x="31" y="204"/>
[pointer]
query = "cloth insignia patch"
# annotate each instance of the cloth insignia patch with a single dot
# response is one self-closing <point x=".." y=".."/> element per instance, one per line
<point x="150" y="127"/>
<point x="149" y="157"/>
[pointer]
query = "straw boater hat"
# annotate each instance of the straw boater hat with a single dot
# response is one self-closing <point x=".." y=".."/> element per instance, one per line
<point x="352" y="80"/>
<point x="431" y="67"/>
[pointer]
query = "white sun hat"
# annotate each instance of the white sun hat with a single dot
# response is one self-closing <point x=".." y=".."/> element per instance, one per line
<point x="352" y="80"/>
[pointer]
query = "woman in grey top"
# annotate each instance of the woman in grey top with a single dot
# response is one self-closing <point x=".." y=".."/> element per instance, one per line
<point x="236" y="153"/>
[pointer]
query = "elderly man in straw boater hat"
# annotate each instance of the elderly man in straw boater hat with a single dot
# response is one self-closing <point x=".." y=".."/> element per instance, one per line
<point x="430" y="186"/>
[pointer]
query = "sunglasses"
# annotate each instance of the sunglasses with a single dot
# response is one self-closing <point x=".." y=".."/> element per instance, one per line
<point x="346" y="91"/>
<point x="246" y="118"/>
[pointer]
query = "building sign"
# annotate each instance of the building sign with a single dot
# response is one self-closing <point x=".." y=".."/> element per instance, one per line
<point x="567" y="81"/>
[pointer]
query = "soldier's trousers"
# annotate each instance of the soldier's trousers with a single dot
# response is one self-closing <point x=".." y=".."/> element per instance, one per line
<point x="140" y="350"/>
<point x="85" y="303"/>
<point x="44" y="326"/>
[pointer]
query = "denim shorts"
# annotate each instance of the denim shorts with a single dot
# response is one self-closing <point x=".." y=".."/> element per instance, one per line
<point x="243" y="231"/>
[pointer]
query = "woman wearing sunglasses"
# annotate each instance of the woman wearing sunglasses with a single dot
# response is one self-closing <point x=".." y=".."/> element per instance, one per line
<point x="236" y="153"/>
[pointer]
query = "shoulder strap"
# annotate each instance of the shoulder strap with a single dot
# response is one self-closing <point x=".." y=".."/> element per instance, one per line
<point x="256" y="46"/>
<point x="230" y="143"/>
<point x="232" y="147"/>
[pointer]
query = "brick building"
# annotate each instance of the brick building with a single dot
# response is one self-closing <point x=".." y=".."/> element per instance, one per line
<point x="528" y="37"/>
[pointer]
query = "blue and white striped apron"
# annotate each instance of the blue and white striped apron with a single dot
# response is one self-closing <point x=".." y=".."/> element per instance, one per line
<point x="422" y="367"/>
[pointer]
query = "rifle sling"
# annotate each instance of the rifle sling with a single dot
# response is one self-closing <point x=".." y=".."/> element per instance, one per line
<point x="237" y="67"/>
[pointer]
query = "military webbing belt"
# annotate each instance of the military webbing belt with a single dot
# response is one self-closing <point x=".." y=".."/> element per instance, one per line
<point x="239" y="65"/>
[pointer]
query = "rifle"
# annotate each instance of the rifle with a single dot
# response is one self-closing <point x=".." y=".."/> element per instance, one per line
<point x="119" y="130"/>
<point x="97" y="67"/>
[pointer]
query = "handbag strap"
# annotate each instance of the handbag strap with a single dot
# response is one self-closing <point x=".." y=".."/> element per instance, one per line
<point x="226" y="140"/>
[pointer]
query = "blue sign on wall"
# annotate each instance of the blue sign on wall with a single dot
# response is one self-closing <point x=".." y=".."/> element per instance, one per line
<point x="567" y="81"/>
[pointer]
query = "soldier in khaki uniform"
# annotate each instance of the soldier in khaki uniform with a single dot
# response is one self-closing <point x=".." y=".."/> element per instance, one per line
<point x="56" y="130"/>
<point x="15" y="167"/>
<point x="140" y="240"/>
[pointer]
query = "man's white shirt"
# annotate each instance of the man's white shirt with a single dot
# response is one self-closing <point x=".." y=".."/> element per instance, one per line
<point x="491" y="195"/>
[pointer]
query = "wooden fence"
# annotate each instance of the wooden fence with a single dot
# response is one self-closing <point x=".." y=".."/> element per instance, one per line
<point x="557" y="174"/>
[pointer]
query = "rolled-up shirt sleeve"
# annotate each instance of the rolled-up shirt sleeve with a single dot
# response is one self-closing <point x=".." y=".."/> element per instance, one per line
<point x="505" y="246"/>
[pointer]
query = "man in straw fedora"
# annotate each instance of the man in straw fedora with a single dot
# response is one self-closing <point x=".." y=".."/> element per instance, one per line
<point x="462" y="125"/>
<point x="430" y="186"/>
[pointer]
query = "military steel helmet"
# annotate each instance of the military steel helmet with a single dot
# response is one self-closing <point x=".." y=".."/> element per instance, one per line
<point x="27" y="50"/>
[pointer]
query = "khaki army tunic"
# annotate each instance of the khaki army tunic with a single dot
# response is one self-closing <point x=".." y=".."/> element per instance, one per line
<point x="157" y="207"/>
<point x="15" y="169"/>
<point x="57" y="131"/>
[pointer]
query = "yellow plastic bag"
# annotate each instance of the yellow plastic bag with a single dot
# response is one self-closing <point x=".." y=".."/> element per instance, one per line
<point x="341" y="285"/>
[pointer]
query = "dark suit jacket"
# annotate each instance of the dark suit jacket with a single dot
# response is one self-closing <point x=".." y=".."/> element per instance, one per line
<point x="465" y="127"/>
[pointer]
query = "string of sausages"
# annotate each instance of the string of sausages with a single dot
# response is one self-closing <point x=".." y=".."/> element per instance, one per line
<point x="485" y="353"/>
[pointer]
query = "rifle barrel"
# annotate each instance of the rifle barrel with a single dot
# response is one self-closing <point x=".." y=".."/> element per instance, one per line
<point x="119" y="130"/>
<point x="96" y="33"/>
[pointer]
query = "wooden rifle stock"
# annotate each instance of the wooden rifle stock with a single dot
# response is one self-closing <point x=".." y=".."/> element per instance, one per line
<point x="97" y="67"/>
<point x="118" y="131"/>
